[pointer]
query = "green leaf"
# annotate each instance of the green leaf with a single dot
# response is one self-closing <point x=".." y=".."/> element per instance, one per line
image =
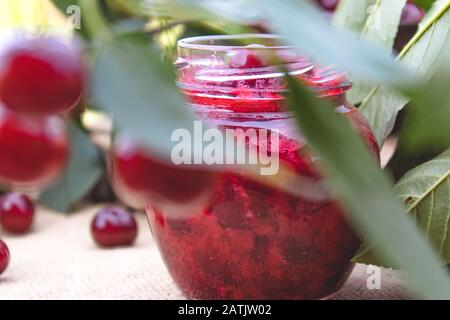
<point x="352" y="14"/>
<point x="239" y="11"/>
<point x="366" y="192"/>
<point x="425" y="130"/>
<point x="93" y="21"/>
<point x="304" y="26"/>
<point x="84" y="170"/>
<point x="131" y="82"/>
<point x="425" y="4"/>
<point x="381" y="27"/>
<point x="62" y="5"/>
<point x="133" y="6"/>
<point x="382" y="24"/>
<point x="382" y="105"/>
<point x="434" y="8"/>
<point x="203" y="28"/>
<point x="426" y="192"/>
<point x="367" y="255"/>
<point x="427" y="125"/>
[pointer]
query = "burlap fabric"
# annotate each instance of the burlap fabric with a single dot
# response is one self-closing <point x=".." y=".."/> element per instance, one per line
<point x="58" y="260"/>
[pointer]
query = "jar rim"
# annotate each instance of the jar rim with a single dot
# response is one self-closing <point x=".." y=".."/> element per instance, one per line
<point x="204" y="42"/>
<point x="326" y="81"/>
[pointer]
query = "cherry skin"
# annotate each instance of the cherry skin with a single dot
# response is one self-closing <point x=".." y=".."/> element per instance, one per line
<point x="33" y="151"/>
<point x="141" y="177"/>
<point x="16" y="212"/>
<point x="412" y="14"/>
<point x="4" y="257"/>
<point x="113" y="227"/>
<point x="329" y="5"/>
<point x="41" y="76"/>
<point x="245" y="59"/>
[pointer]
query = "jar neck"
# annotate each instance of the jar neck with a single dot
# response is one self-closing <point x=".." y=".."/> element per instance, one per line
<point x="214" y="72"/>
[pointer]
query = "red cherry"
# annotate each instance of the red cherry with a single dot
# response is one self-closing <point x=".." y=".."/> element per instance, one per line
<point x="41" y="76"/>
<point x="114" y="226"/>
<point x="140" y="176"/>
<point x="412" y="14"/>
<point x="4" y="257"/>
<point x="16" y="212"/>
<point x="33" y="151"/>
<point x="329" y="5"/>
<point x="245" y="59"/>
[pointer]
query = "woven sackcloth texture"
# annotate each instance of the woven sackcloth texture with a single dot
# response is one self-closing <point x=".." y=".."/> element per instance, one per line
<point x="58" y="260"/>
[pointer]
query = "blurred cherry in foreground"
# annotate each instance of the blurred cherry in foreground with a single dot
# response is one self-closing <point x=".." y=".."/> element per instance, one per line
<point x="139" y="178"/>
<point x="41" y="75"/>
<point x="33" y="151"/>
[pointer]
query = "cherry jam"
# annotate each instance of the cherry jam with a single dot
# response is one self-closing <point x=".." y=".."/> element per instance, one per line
<point x="252" y="241"/>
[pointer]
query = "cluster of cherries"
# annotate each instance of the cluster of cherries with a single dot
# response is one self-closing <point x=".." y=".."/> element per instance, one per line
<point x="41" y="78"/>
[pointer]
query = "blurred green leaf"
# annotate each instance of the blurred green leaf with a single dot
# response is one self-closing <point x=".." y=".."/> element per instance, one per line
<point x="368" y="255"/>
<point x="131" y="82"/>
<point x="366" y="192"/>
<point x="426" y="192"/>
<point x="62" y="5"/>
<point x="203" y="28"/>
<point x="382" y="105"/>
<point x="425" y="4"/>
<point x="427" y="124"/>
<point x="433" y="9"/>
<point x="352" y="14"/>
<point x="304" y="26"/>
<point x="132" y="6"/>
<point x="94" y="22"/>
<point x="132" y="25"/>
<point x="84" y="170"/>
<point x="238" y="11"/>
<point x="381" y="27"/>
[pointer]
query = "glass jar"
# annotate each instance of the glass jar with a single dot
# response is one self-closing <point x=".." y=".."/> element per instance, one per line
<point x="252" y="241"/>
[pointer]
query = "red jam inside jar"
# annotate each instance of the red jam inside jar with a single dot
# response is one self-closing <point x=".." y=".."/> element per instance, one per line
<point x="252" y="241"/>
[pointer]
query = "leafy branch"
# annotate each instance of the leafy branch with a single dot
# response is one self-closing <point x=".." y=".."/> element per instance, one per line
<point x="380" y="27"/>
<point x="383" y="103"/>
<point x="425" y="190"/>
